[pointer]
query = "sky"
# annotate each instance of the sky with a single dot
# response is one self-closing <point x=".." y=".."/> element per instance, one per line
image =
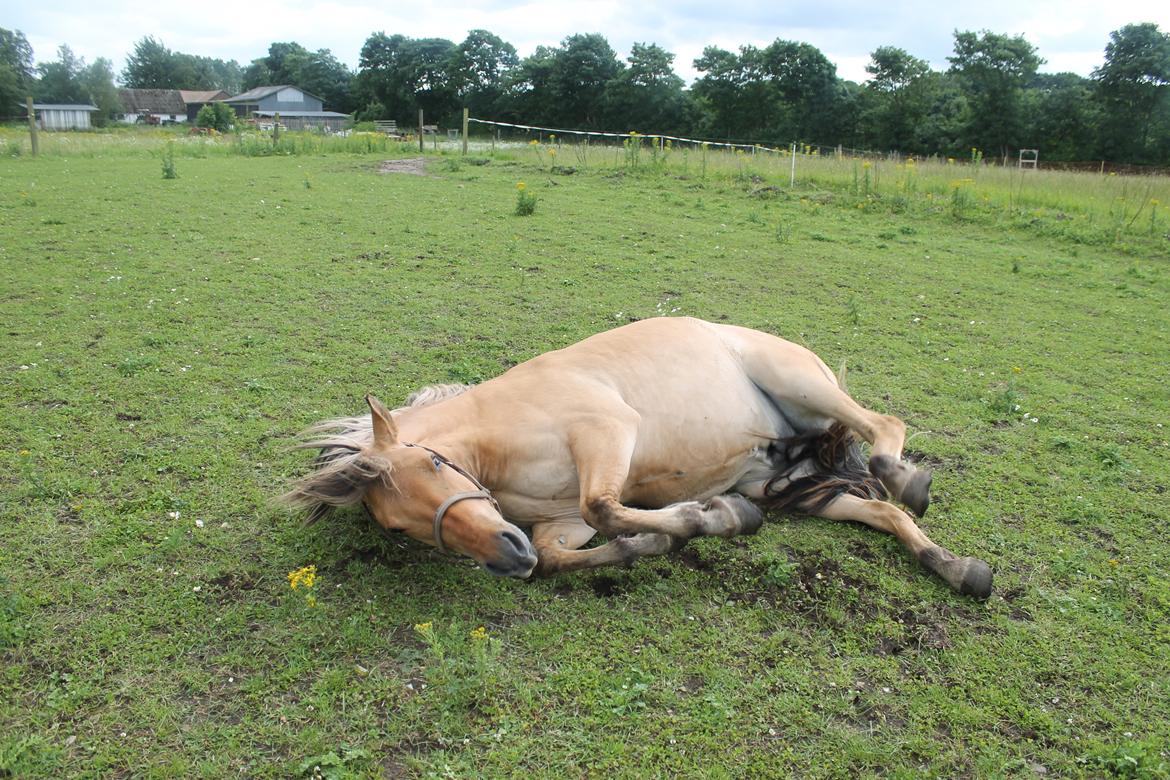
<point x="1070" y="34"/>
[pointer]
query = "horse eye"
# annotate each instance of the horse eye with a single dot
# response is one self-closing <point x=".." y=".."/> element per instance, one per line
<point x="438" y="463"/>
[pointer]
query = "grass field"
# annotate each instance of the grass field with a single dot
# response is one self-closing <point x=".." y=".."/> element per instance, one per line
<point x="164" y="341"/>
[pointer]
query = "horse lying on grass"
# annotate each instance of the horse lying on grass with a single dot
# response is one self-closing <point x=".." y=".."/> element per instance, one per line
<point x="649" y="434"/>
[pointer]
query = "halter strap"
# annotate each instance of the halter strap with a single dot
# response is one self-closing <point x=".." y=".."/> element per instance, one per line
<point x="452" y="500"/>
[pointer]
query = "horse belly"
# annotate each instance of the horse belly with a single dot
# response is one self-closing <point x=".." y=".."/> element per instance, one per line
<point x="712" y="446"/>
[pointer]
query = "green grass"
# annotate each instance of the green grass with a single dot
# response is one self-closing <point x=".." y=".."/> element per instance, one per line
<point x="165" y="339"/>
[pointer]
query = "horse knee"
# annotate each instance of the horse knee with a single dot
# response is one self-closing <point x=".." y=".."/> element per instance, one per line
<point x="602" y="513"/>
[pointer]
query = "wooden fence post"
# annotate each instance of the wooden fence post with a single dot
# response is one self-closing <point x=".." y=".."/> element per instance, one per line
<point x="465" y="117"/>
<point x="32" y="126"/>
<point x="276" y="128"/>
<point x="420" y="130"/>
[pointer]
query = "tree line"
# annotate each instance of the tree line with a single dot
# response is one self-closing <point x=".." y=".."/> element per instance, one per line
<point x="991" y="97"/>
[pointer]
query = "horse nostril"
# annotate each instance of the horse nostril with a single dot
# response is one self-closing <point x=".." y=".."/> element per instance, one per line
<point x="519" y="542"/>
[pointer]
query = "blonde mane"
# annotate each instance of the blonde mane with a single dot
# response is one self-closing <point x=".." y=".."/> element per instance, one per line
<point x="344" y="470"/>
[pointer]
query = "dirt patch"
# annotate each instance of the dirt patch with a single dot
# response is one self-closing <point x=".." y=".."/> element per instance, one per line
<point x="415" y="166"/>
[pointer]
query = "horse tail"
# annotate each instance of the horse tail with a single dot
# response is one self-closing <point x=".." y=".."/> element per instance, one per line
<point x="817" y="467"/>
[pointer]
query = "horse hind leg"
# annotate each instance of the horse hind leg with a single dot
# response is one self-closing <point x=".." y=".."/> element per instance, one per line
<point x="969" y="576"/>
<point x="805" y="391"/>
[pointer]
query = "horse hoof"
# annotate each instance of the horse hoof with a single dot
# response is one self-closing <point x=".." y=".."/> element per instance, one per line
<point x="976" y="579"/>
<point x="916" y="494"/>
<point x="747" y="514"/>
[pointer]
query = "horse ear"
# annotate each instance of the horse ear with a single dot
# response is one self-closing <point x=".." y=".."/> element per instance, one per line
<point x="385" y="431"/>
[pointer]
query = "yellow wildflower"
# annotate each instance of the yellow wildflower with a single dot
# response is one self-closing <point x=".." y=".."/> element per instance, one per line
<point x="552" y="152"/>
<point x="534" y="142"/>
<point x="24" y="453"/>
<point x="867" y="164"/>
<point x="521" y="186"/>
<point x="423" y="628"/>
<point x="1016" y="369"/>
<point x="303" y="577"/>
<point x="479" y="634"/>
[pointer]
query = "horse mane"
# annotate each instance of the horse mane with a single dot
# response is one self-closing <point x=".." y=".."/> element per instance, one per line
<point x="344" y="469"/>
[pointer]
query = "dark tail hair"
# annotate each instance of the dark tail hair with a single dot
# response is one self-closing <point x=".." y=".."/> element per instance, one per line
<point x="838" y="468"/>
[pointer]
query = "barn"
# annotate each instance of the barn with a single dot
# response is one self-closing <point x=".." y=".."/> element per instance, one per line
<point x="55" y="116"/>
<point x="152" y="106"/>
<point x="298" y="109"/>
<point x="197" y="99"/>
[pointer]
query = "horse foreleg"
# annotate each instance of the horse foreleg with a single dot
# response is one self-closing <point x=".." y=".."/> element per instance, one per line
<point x="557" y="548"/>
<point x="969" y="576"/>
<point x="602" y="451"/>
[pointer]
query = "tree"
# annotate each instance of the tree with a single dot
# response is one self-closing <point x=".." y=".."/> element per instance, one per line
<point x="1062" y="117"/>
<point x="481" y="67"/>
<point x="400" y="75"/>
<point x="582" y="68"/>
<point x="528" y="92"/>
<point x="808" y="96"/>
<point x="785" y="92"/>
<point x="97" y="81"/>
<point x="720" y="93"/>
<point x="993" y="70"/>
<point x="1134" y="84"/>
<point x="60" y="80"/>
<point x="153" y="66"/>
<point x="647" y="96"/>
<point x="150" y="66"/>
<point x="895" y="99"/>
<point x="16" y="71"/>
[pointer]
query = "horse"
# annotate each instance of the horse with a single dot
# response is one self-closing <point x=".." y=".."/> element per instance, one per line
<point x="649" y="434"/>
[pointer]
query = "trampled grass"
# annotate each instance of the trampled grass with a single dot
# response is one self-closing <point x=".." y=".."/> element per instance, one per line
<point x="166" y="339"/>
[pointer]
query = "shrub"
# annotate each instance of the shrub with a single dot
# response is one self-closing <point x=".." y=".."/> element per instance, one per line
<point x="218" y="116"/>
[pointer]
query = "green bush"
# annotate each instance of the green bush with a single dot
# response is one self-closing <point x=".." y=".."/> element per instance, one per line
<point x="218" y="116"/>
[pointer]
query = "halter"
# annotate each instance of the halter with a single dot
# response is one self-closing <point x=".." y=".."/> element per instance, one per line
<point x="451" y="500"/>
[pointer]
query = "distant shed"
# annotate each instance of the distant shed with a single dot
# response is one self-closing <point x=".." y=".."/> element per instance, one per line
<point x="56" y="116"/>
<point x="298" y="109"/>
<point x="197" y="99"/>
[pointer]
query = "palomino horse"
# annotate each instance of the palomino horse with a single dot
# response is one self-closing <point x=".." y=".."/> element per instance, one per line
<point x="648" y="434"/>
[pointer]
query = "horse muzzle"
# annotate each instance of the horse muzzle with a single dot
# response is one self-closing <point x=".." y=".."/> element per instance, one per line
<point x="515" y="556"/>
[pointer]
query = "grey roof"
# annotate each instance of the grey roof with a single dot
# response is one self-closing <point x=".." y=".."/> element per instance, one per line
<point x="63" y="107"/>
<point x="202" y="95"/>
<point x="257" y="93"/>
<point x="152" y="101"/>
<point x="301" y="114"/>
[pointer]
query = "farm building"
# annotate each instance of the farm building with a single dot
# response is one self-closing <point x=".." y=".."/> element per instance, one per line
<point x="152" y="106"/>
<point x="52" y="116"/>
<point x="298" y="109"/>
<point x="197" y="99"/>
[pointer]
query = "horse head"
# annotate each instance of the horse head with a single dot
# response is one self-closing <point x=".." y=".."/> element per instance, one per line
<point x="413" y="489"/>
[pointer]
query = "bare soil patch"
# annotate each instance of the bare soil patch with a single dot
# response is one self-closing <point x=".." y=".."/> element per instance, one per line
<point x="415" y="166"/>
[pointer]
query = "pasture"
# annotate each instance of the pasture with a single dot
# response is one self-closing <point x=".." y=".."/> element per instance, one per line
<point x="165" y="340"/>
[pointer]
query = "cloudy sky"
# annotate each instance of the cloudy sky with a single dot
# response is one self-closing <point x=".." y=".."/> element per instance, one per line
<point x="1070" y="34"/>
